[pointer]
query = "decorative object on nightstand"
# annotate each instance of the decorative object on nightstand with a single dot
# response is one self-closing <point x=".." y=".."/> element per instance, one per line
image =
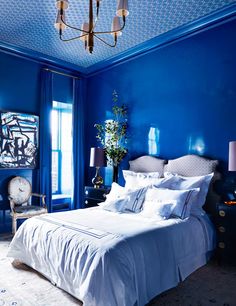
<point x="20" y="193"/>
<point x="226" y="233"/>
<point x="97" y="159"/>
<point x="93" y="196"/>
<point x="112" y="134"/>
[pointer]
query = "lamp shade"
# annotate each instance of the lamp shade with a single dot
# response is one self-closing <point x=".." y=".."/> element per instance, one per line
<point x="232" y="156"/>
<point x="59" y="25"/>
<point x="122" y="8"/>
<point x="84" y="27"/>
<point x="116" y="26"/>
<point x="97" y="157"/>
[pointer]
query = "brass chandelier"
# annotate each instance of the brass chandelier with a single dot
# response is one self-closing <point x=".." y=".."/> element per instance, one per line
<point x="87" y="31"/>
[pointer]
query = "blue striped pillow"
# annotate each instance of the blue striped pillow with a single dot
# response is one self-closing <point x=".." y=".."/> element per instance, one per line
<point x="134" y="200"/>
<point x="131" y="201"/>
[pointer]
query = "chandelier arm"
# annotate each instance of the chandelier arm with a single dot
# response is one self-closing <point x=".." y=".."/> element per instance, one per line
<point x="110" y="32"/>
<point x="95" y="23"/>
<point x="106" y="43"/>
<point x="71" y="39"/>
<point x="97" y="14"/>
<point x="71" y="27"/>
<point x="98" y="7"/>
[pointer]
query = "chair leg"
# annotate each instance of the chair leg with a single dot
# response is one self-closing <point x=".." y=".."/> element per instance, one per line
<point x="14" y="225"/>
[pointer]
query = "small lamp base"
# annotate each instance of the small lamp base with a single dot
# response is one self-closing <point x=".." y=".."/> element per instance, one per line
<point x="97" y="180"/>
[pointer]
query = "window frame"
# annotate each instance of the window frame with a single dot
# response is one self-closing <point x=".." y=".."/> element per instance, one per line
<point x="59" y="111"/>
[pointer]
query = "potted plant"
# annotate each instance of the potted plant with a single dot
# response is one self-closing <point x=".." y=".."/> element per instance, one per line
<point x="112" y="134"/>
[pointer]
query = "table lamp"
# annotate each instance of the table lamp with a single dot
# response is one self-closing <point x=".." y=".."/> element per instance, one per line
<point x="232" y="161"/>
<point x="232" y="156"/>
<point x="98" y="160"/>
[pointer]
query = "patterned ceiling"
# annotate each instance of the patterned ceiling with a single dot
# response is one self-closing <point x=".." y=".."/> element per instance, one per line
<point x="30" y="24"/>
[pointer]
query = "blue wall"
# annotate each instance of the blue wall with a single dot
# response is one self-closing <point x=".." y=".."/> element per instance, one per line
<point x="20" y="92"/>
<point x="186" y="91"/>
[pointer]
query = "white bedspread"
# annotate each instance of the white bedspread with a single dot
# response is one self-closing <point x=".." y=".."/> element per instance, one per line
<point x="109" y="259"/>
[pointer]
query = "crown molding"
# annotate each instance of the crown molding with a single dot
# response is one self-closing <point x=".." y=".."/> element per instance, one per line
<point x="216" y="18"/>
<point x="41" y="58"/>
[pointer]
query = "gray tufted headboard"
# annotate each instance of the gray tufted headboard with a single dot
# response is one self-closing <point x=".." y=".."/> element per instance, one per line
<point x="188" y="165"/>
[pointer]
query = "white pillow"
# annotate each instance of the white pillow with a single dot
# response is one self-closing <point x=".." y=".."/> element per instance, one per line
<point x="113" y="205"/>
<point x="202" y="182"/>
<point x="134" y="180"/>
<point x="182" y="200"/>
<point x="134" y="200"/>
<point x="116" y="192"/>
<point x="158" y="211"/>
<point x="154" y="209"/>
<point x="166" y="182"/>
<point x="129" y="201"/>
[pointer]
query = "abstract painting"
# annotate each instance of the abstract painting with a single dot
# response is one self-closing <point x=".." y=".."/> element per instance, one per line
<point x="18" y="140"/>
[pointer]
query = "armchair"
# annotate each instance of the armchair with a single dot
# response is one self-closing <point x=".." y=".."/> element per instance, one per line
<point x="19" y="195"/>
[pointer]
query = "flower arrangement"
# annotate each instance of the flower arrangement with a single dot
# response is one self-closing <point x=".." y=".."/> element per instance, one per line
<point x="112" y="134"/>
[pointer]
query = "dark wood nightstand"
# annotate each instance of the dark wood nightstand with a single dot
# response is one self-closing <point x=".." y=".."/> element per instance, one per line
<point x="93" y="196"/>
<point x="226" y="233"/>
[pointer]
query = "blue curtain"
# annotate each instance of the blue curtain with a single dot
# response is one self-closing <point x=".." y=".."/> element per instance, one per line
<point x="78" y="148"/>
<point x="45" y="137"/>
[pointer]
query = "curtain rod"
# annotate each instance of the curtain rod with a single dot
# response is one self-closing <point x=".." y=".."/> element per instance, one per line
<point x="62" y="73"/>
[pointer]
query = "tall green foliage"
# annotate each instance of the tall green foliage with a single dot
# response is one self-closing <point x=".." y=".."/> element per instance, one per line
<point x="112" y="134"/>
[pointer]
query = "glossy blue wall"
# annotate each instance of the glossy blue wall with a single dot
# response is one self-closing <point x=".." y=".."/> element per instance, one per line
<point x="20" y="92"/>
<point x="184" y="91"/>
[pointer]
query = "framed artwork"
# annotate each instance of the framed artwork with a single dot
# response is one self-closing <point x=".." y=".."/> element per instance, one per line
<point x="19" y="140"/>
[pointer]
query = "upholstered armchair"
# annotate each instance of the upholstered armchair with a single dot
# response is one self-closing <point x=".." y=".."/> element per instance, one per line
<point x="20" y="197"/>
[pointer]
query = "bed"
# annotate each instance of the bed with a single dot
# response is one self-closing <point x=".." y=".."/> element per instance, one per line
<point x="106" y="258"/>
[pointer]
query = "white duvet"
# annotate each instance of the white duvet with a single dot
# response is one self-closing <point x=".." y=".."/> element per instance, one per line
<point x="111" y="259"/>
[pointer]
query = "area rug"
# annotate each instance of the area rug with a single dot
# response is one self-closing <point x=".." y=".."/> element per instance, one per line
<point x="21" y="285"/>
<point x="211" y="285"/>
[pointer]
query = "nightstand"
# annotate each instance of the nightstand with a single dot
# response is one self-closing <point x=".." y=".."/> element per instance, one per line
<point x="93" y="196"/>
<point x="226" y="233"/>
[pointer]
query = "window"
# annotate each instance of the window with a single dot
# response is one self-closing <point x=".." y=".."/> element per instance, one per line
<point x="61" y="127"/>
